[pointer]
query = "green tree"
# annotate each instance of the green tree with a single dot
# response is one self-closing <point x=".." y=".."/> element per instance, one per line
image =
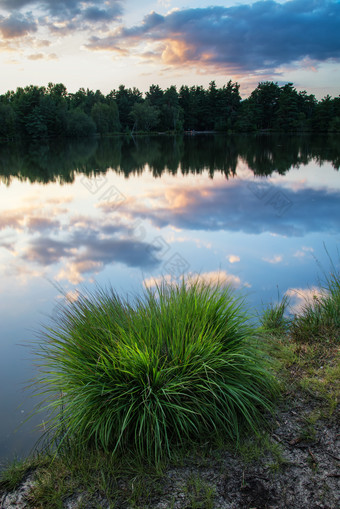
<point x="85" y="99"/>
<point x="79" y="124"/>
<point x="7" y="121"/>
<point x="171" y="111"/>
<point x="26" y="103"/>
<point x="246" y="119"/>
<point x="155" y="96"/>
<point x="212" y="106"/>
<point x="145" y="116"/>
<point x="288" y="116"/>
<point x="334" y="125"/>
<point x="126" y="98"/>
<point x="35" y="125"/>
<point x="53" y="110"/>
<point x="228" y="102"/>
<point x="265" y="99"/>
<point x="323" y="114"/>
<point x="57" y="91"/>
<point x="106" y="117"/>
<point x="307" y="105"/>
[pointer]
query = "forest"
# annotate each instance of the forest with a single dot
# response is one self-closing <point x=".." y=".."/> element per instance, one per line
<point x="51" y="112"/>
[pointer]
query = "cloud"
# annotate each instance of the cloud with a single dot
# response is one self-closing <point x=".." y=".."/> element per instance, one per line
<point x="95" y="14"/>
<point x="42" y="56"/>
<point x="302" y="297"/>
<point x="94" y="253"/>
<point x="17" y="25"/>
<point x="211" y="278"/>
<point x="46" y="251"/>
<point x="39" y="223"/>
<point x="233" y="258"/>
<point x="73" y="271"/>
<point x="62" y="17"/>
<point x="29" y="217"/>
<point x="216" y="277"/>
<point x="79" y="243"/>
<point x="235" y="207"/>
<point x="24" y="274"/>
<point x="42" y="43"/>
<point x="8" y="242"/>
<point x="261" y="36"/>
<point x="72" y="296"/>
<point x="66" y="10"/>
<point x="106" y="44"/>
<point x="152" y="282"/>
<point x="304" y="252"/>
<point x="36" y="56"/>
<point x="9" y="219"/>
<point x="130" y="252"/>
<point x="273" y="259"/>
<point x="87" y="250"/>
<point x="60" y="6"/>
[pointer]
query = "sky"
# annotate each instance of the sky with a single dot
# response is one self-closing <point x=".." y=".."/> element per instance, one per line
<point x="100" y="44"/>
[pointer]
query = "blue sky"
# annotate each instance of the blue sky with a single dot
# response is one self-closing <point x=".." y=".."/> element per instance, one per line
<point x="101" y="44"/>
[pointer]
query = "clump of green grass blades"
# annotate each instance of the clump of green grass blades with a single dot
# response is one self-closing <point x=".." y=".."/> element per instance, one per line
<point x="180" y="362"/>
<point x="320" y="318"/>
<point x="273" y="318"/>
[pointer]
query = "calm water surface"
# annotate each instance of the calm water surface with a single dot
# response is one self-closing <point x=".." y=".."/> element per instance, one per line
<point x="261" y="212"/>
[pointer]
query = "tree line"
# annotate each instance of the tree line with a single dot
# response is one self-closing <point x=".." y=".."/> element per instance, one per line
<point x="47" y="112"/>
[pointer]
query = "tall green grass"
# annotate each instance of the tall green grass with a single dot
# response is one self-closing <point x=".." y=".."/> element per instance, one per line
<point x="319" y="319"/>
<point x="273" y="319"/>
<point x="178" y="363"/>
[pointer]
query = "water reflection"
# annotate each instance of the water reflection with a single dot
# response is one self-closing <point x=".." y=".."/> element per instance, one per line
<point x="243" y="205"/>
<point x="264" y="154"/>
<point x="254" y="209"/>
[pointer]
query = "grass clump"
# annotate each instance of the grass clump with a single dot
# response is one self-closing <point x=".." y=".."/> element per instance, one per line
<point x="12" y="476"/>
<point x="319" y="319"/>
<point x="179" y="362"/>
<point x="273" y="319"/>
<point x="199" y="493"/>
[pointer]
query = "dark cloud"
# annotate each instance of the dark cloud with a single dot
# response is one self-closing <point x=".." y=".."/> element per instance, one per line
<point x="246" y="207"/>
<point x="263" y="35"/>
<point x="27" y="218"/>
<point x="94" y="14"/>
<point x="119" y="244"/>
<point x="17" y="25"/>
<point x="12" y="5"/>
<point x="66" y="10"/>
<point x="46" y="251"/>
<point x="130" y="252"/>
<point x="36" y="223"/>
<point x="88" y="250"/>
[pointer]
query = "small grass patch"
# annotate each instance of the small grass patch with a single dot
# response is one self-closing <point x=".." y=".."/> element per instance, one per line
<point x="306" y="345"/>
<point x="90" y="477"/>
<point x="180" y="362"/>
<point x="319" y="320"/>
<point x="12" y="476"/>
<point x="251" y="450"/>
<point x="273" y="318"/>
<point x="199" y="493"/>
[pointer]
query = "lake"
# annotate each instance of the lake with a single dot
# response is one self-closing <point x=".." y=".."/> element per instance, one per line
<point x="259" y="212"/>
